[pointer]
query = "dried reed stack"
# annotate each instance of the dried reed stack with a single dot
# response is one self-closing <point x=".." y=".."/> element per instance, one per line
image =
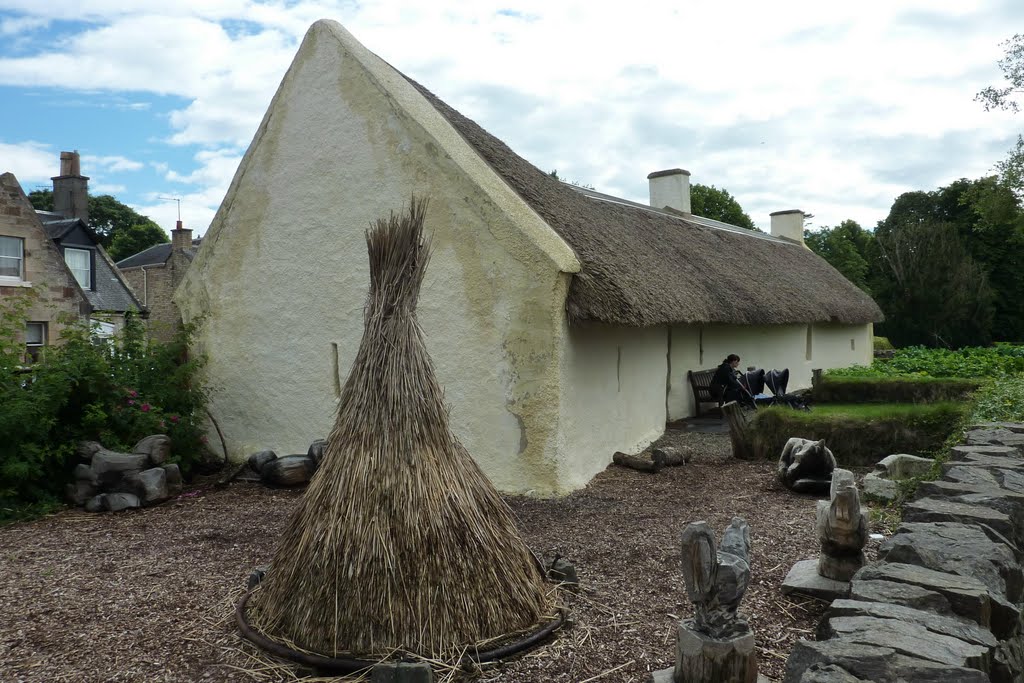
<point x="400" y="540"/>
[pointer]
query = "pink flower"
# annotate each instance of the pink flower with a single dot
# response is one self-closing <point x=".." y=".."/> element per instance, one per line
<point x="145" y="407"/>
<point x="163" y="425"/>
<point x="131" y="402"/>
<point x="175" y="418"/>
<point x="133" y="394"/>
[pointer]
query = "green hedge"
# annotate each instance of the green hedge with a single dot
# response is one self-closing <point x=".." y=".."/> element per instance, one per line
<point x="860" y="436"/>
<point x="913" y="389"/>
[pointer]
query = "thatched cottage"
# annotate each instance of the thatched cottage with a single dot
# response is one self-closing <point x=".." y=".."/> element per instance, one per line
<point x="562" y="321"/>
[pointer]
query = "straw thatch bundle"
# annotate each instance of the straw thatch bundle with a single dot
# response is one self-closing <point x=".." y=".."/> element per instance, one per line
<point x="400" y="540"/>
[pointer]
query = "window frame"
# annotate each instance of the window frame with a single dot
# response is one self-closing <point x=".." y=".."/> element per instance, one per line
<point x="20" y="277"/>
<point x="89" y="267"/>
<point x="32" y="349"/>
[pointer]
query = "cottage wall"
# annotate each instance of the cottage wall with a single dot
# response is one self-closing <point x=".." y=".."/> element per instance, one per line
<point x="801" y="348"/>
<point x="45" y="272"/>
<point x="282" y="273"/>
<point x="613" y="396"/>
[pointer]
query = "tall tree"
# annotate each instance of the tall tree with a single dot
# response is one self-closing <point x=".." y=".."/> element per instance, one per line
<point x="850" y="249"/>
<point x="110" y="219"/>
<point x="710" y="202"/>
<point x="1012" y="65"/>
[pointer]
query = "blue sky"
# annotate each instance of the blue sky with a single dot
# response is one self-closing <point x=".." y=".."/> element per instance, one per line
<point x="834" y="110"/>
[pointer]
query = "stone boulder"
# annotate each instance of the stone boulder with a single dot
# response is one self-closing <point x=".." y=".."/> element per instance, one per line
<point x="316" y="450"/>
<point x="111" y="468"/>
<point x="156" y="446"/>
<point x="174" y="481"/>
<point x="150" y="486"/>
<point x="877" y="663"/>
<point x="288" y="470"/>
<point x="904" y="466"/>
<point x="258" y="460"/>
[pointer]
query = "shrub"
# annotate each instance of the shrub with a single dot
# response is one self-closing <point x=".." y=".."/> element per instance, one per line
<point x="860" y="435"/>
<point x="115" y="393"/>
<point x="882" y="389"/>
<point x="1000" y="400"/>
<point x="882" y="344"/>
<point x="967" y="362"/>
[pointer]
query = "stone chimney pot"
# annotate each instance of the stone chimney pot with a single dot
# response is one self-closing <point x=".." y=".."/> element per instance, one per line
<point x="670" y="188"/>
<point x="788" y="224"/>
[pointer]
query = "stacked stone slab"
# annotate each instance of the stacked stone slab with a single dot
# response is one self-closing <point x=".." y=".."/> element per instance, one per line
<point x="944" y="603"/>
<point x="109" y="481"/>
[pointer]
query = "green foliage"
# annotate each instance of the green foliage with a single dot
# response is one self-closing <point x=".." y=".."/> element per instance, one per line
<point x="848" y="248"/>
<point x="860" y="435"/>
<point x="892" y="389"/>
<point x="710" y="202"/>
<point x="121" y="230"/>
<point x="1000" y="400"/>
<point x="969" y="362"/>
<point x="1012" y="65"/>
<point x="115" y="393"/>
<point x="882" y="344"/>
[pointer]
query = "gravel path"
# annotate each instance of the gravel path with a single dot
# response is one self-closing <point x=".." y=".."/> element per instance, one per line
<point x="146" y="595"/>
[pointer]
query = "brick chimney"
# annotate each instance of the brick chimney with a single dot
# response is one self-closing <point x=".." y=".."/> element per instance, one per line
<point x="181" y="238"/>
<point x="789" y="225"/>
<point x="71" y="188"/>
<point x="670" y="189"/>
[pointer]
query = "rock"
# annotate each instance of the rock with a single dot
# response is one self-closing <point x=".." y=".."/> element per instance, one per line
<point x="156" y="446"/>
<point x="880" y="664"/>
<point x="174" y="482"/>
<point x="904" y="466"/>
<point x="904" y="594"/>
<point x="401" y="672"/>
<point x="985" y="436"/>
<point x="150" y="486"/>
<point x="317" y="450"/>
<point x="879" y="489"/>
<point x="85" y="473"/>
<point x="256" y="576"/>
<point x="828" y="673"/>
<point x="115" y="502"/>
<point x="96" y="503"/>
<point x="945" y="510"/>
<point x="80" y="491"/>
<point x="288" y="470"/>
<point x="804" y="579"/>
<point x="960" y="549"/>
<point x="563" y="571"/>
<point x="86" y="449"/>
<point x="637" y="462"/>
<point x="259" y="459"/>
<point x="670" y="456"/>
<point x="1016" y="427"/>
<point x="111" y="468"/>
<point x="943" y="625"/>
<point x="808" y="462"/>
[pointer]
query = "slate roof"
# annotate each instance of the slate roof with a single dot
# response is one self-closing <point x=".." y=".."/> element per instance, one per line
<point x="156" y="255"/>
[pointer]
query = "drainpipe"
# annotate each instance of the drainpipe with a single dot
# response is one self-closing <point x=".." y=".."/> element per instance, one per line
<point x="145" y="287"/>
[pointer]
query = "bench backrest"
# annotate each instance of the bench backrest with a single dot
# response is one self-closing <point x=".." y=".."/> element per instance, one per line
<point x="701" y="383"/>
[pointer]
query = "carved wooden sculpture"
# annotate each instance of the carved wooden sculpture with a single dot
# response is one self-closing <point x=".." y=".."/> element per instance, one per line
<point x="842" y="529"/>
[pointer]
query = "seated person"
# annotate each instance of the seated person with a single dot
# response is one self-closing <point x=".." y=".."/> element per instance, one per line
<point x="724" y="384"/>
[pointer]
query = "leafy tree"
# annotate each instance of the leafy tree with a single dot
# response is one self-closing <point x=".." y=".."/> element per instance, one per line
<point x="710" y="202"/>
<point x="989" y="221"/>
<point x="934" y="292"/>
<point x="849" y="248"/>
<point x="110" y="218"/>
<point x="1012" y="65"/>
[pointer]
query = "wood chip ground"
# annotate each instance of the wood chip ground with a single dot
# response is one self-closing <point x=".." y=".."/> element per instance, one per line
<point x="147" y="595"/>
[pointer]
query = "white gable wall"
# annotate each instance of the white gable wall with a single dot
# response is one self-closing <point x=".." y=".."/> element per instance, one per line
<point x="282" y="274"/>
<point x="703" y="347"/>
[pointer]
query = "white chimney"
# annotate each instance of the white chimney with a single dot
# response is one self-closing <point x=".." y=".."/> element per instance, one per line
<point x="788" y="225"/>
<point x="670" y="189"/>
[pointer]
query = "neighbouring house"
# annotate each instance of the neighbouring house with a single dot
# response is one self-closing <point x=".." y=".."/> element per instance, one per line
<point x="110" y="296"/>
<point x="155" y="273"/>
<point x="561" y="321"/>
<point x="30" y="262"/>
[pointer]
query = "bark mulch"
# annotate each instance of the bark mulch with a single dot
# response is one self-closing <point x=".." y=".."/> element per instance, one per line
<point x="147" y="595"/>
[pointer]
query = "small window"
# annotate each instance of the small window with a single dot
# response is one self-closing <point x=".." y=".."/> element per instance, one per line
<point x="80" y="263"/>
<point x="12" y="258"/>
<point x="35" y="339"/>
<point x="853" y="344"/>
<point x="808" y="352"/>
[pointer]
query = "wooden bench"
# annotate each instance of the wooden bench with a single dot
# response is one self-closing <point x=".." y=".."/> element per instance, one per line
<point x="700" y="382"/>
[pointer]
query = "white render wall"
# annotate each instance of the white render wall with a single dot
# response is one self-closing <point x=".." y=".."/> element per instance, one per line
<point x="613" y="396"/>
<point x="770" y="347"/>
<point x="282" y="274"/>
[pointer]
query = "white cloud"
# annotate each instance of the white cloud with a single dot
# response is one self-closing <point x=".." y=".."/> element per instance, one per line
<point x="32" y="162"/>
<point x="112" y="164"/>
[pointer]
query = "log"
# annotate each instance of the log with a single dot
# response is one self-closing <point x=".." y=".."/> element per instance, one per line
<point x="740" y="433"/>
<point x="636" y="463"/>
<point x="669" y="456"/>
<point x="702" y="659"/>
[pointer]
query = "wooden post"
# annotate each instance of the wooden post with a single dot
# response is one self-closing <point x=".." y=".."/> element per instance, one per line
<point x="815" y="378"/>
<point x="740" y="434"/>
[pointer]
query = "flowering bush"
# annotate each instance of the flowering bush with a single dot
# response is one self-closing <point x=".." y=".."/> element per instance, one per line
<point x="113" y="392"/>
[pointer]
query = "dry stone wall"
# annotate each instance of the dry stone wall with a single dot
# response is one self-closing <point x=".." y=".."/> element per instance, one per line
<point x="944" y="603"/>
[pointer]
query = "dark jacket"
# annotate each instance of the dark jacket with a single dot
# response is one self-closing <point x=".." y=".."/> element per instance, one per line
<point x="724" y="384"/>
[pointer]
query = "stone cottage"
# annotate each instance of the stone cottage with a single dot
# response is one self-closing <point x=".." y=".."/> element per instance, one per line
<point x="30" y="261"/>
<point x="155" y="273"/>
<point x="562" y="321"/>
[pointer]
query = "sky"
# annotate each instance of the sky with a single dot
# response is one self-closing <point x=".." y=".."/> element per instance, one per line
<point x="832" y="108"/>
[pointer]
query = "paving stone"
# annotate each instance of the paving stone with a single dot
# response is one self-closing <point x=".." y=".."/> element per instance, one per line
<point x="803" y="579"/>
<point x="874" y="663"/>
<point x="966" y="631"/>
<point x="905" y="594"/>
<point x="904" y="466"/>
<point x="908" y="639"/>
<point x="878" y="488"/>
<point x="947" y="510"/>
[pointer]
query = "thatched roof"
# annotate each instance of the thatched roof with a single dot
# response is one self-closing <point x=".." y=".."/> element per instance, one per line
<point x="643" y="267"/>
<point x="401" y="541"/>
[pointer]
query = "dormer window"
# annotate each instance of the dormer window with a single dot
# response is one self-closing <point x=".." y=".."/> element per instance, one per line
<point x="80" y="263"/>
<point x="12" y="259"/>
